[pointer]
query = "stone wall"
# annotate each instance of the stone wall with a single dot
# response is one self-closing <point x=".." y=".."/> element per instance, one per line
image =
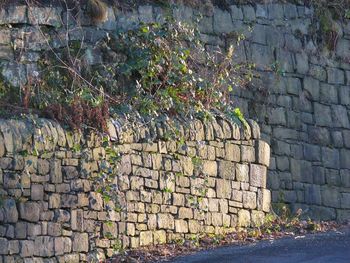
<point x="300" y="99"/>
<point x="53" y="209"/>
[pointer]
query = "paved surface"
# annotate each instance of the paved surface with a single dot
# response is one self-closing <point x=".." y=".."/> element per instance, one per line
<point x="320" y="248"/>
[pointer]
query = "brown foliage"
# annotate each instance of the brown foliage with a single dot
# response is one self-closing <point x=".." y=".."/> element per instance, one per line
<point x="80" y="113"/>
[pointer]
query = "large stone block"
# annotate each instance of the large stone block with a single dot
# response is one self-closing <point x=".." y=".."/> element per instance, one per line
<point x="340" y="116"/>
<point x="223" y="188"/>
<point x="27" y="248"/>
<point x="249" y="200"/>
<point x="165" y="221"/>
<point x="232" y="152"/>
<point x="262" y="153"/>
<point x="345" y="159"/>
<point x="3" y="246"/>
<point x="330" y="158"/>
<point x="10" y="211"/>
<point x="30" y="211"/>
<point x="243" y="218"/>
<point x="63" y="245"/>
<point x="242" y="172"/>
<point x="312" y="86"/>
<point x="80" y="242"/>
<point x="44" y="246"/>
<point x="335" y="76"/>
<point x="227" y="170"/>
<point x="159" y="237"/>
<point x="330" y="196"/>
<point x="323" y="116"/>
<point x="222" y="21"/>
<point x="181" y="226"/>
<point x="146" y="238"/>
<point x="258" y="175"/>
<point x="210" y="168"/>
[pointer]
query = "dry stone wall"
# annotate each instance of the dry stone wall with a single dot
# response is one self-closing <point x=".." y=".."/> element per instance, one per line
<point x="301" y="98"/>
<point x="53" y="209"/>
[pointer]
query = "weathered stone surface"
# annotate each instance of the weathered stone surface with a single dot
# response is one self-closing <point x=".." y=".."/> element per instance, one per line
<point x="227" y="170"/>
<point x="243" y="218"/>
<point x="44" y="246"/>
<point x="80" y="242"/>
<point x="29" y="211"/>
<point x="263" y="153"/>
<point x="258" y="174"/>
<point x="249" y="200"/>
<point x="10" y="211"/>
<point x="146" y="238"/>
<point x="165" y="221"/>
<point x="223" y="188"/>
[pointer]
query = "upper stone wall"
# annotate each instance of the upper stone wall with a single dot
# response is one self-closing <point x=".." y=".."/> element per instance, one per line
<point x="301" y="98"/>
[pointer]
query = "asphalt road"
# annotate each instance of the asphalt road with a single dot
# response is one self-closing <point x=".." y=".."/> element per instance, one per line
<point x="331" y="247"/>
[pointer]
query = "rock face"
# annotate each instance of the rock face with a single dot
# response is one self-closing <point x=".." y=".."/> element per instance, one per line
<point x="164" y="192"/>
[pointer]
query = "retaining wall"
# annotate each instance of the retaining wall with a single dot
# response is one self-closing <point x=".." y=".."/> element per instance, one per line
<point x="70" y="197"/>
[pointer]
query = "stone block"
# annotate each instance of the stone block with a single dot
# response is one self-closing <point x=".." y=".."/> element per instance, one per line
<point x="257" y="218"/>
<point x="30" y="211"/>
<point x="312" y="152"/>
<point x="96" y="201"/>
<point x="37" y="192"/>
<point x="146" y="238"/>
<point x="10" y="211"/>
<point x="242" y="172"/>
<point x="69" y="201"/>
<point x="247" y="153"/>
<point x="3" y="246"/>
<point x="110" y="230"/>
<point x="262" y="153"/>
<point x="282" y="163"/>
<point x="185" y="213"/>
<point x="258" y="174"/>
<point x="261" y="55"/>
<point x="227" y="170"/>
<point x="330" y="196"/>
<point x="249" y="200"/>
<point x="243" y="218"/>
<point x="345" y="159"/>
<point x="181" y="226"/>
<point x="330" y="158"/>
<point x="80" y="242"/>
<point x="340" y="117"/>
<point x="328" y="94"/>
<point x="345" y="201"/>
<point x="313" y="194"/>
<point x="159" y="237"/>
<point x="318" y="135"/>
<point x="217" y="219"/>
<point x="264" y="200"/>
<point x="194" y="226"/>
<point x="236" y="12"/>
<point x="345" y="177"/>
<point x="232" y="152"/>
<point x="335" y="76"/>
<point x="222" y="21"/>
<point x="27" y="248"/>
<point x="312" y="86"/>
<point x="165" y="221"/>
<point x="21" y="230"/>
<point x="277" y="116"/>
<point x="55" y="171"/>
<point x="223" y="188"/>
<point x="44" y="246"/>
